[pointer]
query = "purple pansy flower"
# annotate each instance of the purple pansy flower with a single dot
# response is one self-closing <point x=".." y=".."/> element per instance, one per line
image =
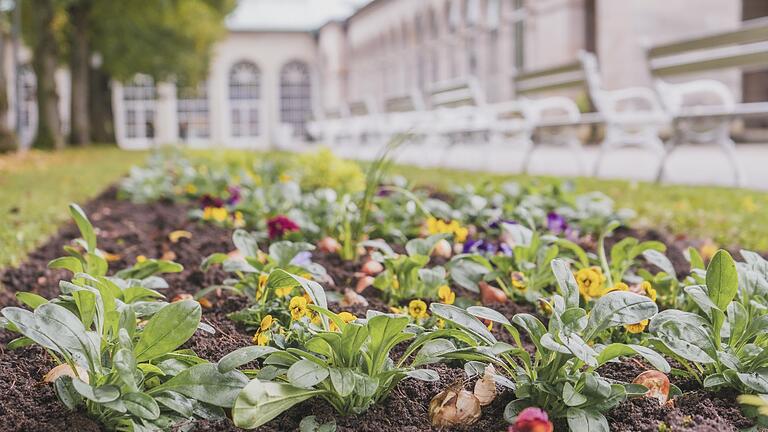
<point x="302" y="259"/>
<point x="234" y="195"/>
<point x="556" y="223"/>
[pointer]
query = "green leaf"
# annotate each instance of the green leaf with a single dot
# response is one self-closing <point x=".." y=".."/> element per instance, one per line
<point x="483" y="312"/>
<point x="463" y="319"/>
<point x="125" y="363"/>
<point x="86" y="306"/>
<point x="306" y="373"/>
<point x="424" y="375"/>
<point x="67" y="393"/>
<point x="757" y="380"/>
<point x="67" y="263"/>
<point x="246" y="243"/>
<point x="586" y="420"/>
<point x="468" y="270"/>
<point x="569" y="289"/>
<point x="101" y="394"/>
<point x="385" y="332"/>
<point x="168" y="329"/>
<point x="661" y="261"/>
<point x="616" y="350"/>
<point x="722" y="279"/>
<point x="176" y="402"/>
<point x="242" y="356"/>
<point x="688" y="341"/>
<point x="19" y="343"/>
<point x="205" y="383"/>
<point x="424" y="246"/>
<point x="432" y="350"/>
<point x="141" y="405"/>
<point x="31" y="300"/>
<point x="66" y="330"/>
<point x="259" y="402"/>
<point x="571" y="397"/>
<point x="619" y="308"/>
<point x="84" y="225"/>
<point x="366" y="386"/>
<point x="343" y="381"/>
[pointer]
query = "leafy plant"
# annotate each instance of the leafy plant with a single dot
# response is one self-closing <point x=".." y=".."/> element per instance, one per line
<point x="346" y="363"/>
<point x="126" y="376"/>
<point x="724" y="342"/>
<point x="406" y="276"/>
<point x="254" y="275"/>
<point x="560" y="376"/>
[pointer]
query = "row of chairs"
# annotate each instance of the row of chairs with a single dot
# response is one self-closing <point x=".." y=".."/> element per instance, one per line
<point x="696" y="112"/>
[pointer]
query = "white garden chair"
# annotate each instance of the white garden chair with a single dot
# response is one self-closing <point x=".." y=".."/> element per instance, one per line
<point x="633" y="116"/>
<point x="682" y="101"/>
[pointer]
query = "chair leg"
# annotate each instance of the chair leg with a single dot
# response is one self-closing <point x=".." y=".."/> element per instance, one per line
<point x="666" y="151"/>
<point x="603" y="150"/>
<point x="578" y="152"/>
<point x="530" y="146"/>
<point x="729" y="147"/>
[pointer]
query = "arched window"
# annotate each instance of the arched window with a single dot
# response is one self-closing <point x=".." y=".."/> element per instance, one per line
<point x="193" y="113"/>
<point x="139" y="97"/>
<point x="295" y="96"/>
<point x="244" y="99"/>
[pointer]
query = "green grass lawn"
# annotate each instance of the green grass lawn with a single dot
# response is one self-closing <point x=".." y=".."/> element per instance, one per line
<point x="35" y="189"/>
<point x="729" y="217"/>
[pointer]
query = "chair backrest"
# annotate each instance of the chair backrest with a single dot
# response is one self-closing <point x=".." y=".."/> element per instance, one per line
<point x="457" y="93"/>
<point x="406" y="103"/>
<point x="744" y="47"/>
<point x="358" y="108"/>
<point x="538" y="81"/>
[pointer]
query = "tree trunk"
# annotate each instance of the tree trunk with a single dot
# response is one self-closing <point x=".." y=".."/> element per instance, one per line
<point x="102" y="126"/>
<point x="44" y="62"/>
<point x="7" y="137"/>
<point x="79" y="67"/>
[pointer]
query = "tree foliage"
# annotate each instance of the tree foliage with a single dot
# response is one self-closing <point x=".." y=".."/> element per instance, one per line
<point x="166" y="39"/>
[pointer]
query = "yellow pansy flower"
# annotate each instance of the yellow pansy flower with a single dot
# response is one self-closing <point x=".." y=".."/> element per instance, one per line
<point x="298" y="307"/>
<point x="261" y="338"/>
<point x="284" y="291"/>
<point x="266" y="323"/>
<point x="445" y="294"/>
<point x="263" y="278"/>
<point x="417" y="309"/>
<point x="650" y="292"/>
<point x="239" y="222"/>
<point x="191" y="189"/>
<point x="546" y="307"/>
<point x="636" y="328"/>
<point x="141" y="259"/>
<point x="519" y="280"/>
<point x="438" y="226"/>
<point x="346" y="317"/>
<point x="590" y="282"/>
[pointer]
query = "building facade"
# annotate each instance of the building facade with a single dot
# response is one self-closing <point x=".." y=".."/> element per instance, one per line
<point x="277" y="69"/>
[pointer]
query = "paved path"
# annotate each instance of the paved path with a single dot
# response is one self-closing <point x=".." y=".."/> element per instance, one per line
<point x="701" y="165"/>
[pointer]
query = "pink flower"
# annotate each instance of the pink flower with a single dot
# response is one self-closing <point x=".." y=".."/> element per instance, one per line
<point x="279" y="225"/>
<point x="532" y="419"/>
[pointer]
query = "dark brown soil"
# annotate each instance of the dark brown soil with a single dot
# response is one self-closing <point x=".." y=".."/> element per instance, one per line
<point x="130" y="230"/>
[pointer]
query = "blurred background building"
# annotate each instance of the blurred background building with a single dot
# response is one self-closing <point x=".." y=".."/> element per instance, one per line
<point x="285" y="62"/>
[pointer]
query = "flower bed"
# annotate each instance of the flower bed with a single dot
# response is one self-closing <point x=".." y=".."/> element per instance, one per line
<point x="499" y="254"/>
